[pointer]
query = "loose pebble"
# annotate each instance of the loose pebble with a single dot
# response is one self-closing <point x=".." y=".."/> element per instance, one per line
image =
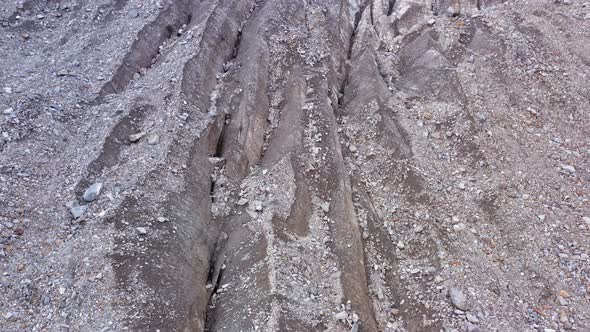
<point x="569" y="169"/>
<point x="459" y="227"/>
<point x="78" y="211"/>
<point x="136" y="137"/>
<point x="341" y="315"/>
<point x="92" y="192"/>
<point x="472" y="318"/>
<point x="133" y="13"/>
<point x="153" y="139"/>
<point x="458" y="299"/>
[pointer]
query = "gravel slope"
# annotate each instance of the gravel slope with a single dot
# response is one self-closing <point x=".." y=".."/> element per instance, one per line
<point x="279" y="165"/>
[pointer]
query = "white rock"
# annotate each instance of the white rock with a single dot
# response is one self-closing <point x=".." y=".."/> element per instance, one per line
<point x="459" y="227"/>
<point x="342" y="315"/>
<point x="78" y="211"/>
<point x="92" y="192"/>
<point x="458" y="299"/>
<point x="136" y="137"/>
<point x="472" y="318"/>
<point x="258" y="206"/>
<point x="568" y="168"/>
<point x="154" y="139"/>
<point x="142" y="230"/>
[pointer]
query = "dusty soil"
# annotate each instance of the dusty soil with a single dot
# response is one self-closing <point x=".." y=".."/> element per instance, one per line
<point x="281" y="165"/>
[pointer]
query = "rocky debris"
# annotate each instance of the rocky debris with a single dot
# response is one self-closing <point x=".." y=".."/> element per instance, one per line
<point x="63" y="72"/>
<point x="78" y="211"/>
<point x="472" y="328"/>
<point x="341" y="316"/>
<point x="136" y="137"/>
<point x="458" y="299"/>
<point x="154" y="139"/>
<point x="358" y="142"/>
<point x="459" y="227"/>
<point x="325" y="207"/>
<point x="183" y="116"/>
<point x="92" y="192"/>
<point x="471" y="318"/>
<point x="258" y="207"/>
<point x="569" y="169"/>
<point x="133" y="13"/>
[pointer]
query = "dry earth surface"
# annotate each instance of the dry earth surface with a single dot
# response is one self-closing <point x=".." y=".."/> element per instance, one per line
<point x="295" y="165"/>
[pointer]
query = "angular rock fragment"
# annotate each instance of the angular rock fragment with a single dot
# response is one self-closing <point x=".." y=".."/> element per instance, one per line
<point x="92" y="192"/>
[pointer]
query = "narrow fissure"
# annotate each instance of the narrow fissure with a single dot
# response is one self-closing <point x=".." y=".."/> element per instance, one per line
<point x="214" y="278"/>
<point x="215" y="269"/>
<point x="217" y="259"/>
<point x="221" y="140"/>
<point x="212" y="191"/>
<point x="238" y="43"/>
<point x="357" y="18"/>
<point x="217" y="155"/>
<point x="146" y="49"/>
<point x="390" y="7"/>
